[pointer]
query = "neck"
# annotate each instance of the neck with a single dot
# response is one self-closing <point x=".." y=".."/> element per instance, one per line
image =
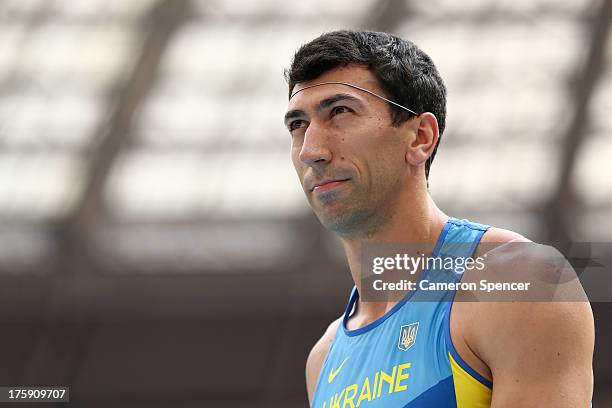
<point x="419" y="220"/>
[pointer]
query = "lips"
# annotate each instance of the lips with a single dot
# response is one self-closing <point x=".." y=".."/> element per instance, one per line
<point x="326" y="185"/>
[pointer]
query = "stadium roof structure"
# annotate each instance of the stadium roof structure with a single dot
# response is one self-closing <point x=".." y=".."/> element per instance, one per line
<point x="148" y="129"/>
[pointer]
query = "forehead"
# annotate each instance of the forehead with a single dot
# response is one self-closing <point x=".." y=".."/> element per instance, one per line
<point x="352" y="74"/>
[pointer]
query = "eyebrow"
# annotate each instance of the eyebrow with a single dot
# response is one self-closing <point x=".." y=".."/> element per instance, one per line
<point x="324" y="103"/>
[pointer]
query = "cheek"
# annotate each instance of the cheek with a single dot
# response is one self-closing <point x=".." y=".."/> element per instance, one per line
<point x="296" y="148"/>
<point x="298" y="165"/>
<point x="385" y="162"/>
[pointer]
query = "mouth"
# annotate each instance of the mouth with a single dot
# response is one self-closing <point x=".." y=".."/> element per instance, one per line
<point x="327" y="185"/>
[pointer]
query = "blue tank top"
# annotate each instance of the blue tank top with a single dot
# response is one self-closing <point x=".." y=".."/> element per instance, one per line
<point x="406" y="357"/>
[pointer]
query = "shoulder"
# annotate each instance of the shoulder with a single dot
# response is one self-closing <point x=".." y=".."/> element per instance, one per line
<point x="500" y="236"/>
<point x="554" y="304"/>
<point x="317" y="356"/>
<point x="510" y="257"/>
<point x="523" y="338"/>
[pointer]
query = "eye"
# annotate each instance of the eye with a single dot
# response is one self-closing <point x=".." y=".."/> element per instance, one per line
<point x="296" y="124"/>
<point x="339" y="109"/>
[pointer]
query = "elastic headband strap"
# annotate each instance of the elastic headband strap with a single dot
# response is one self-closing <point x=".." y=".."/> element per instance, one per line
<point x="356" y="87"/>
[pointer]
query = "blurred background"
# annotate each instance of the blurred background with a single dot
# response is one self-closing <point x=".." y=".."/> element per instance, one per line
<point x="156" y="249"/>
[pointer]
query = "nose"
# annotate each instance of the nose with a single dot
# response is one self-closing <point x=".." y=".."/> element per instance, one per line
<point x="316" y="146"/>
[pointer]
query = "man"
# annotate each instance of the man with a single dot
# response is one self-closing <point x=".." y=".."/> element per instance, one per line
<point x="366" y="113"/>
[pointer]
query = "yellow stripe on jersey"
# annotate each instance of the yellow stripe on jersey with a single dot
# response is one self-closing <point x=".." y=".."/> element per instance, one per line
<point x="470" y="392"/>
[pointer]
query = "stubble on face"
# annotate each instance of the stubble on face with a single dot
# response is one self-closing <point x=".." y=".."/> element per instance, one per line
<point x="363" y="207"/>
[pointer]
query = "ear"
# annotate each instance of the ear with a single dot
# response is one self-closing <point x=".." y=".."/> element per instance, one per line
<point x="426" y="138"/>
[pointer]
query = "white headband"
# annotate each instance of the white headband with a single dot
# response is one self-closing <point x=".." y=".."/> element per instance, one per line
<point x="356" y="87"/>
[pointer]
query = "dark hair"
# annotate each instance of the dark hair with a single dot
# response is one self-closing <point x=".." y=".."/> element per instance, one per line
<point x="406" y="74"/>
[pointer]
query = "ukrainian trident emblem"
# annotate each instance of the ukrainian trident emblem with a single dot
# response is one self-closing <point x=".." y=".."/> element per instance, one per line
<point x="407" y="336"/>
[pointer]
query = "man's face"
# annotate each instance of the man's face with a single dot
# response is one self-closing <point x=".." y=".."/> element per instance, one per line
<point x="348" y="156"/>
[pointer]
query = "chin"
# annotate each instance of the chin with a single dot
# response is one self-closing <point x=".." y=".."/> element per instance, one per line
<point x="344" y="221"/>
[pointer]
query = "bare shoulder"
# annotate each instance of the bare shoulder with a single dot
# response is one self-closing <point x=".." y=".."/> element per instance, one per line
<point x="543" y="341"/>
<point x="317" y="356"/>
<point x="553" y="300"/>
<point x="511" y="258"/>
<point x="496" y="235"/>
